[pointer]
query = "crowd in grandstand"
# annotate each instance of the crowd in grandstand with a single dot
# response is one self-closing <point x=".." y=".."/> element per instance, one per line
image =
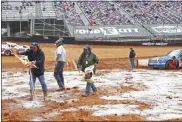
<point x="7" y="6"/>
<point x="67" y="10"/>
<point x="17" y="9"/>
<point x="104" y="13"/>
<point x="111" y="13"/>
<point x="151" y="12"/>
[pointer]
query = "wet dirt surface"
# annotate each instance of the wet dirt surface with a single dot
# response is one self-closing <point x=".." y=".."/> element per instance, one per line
<point x="111" y="57"/>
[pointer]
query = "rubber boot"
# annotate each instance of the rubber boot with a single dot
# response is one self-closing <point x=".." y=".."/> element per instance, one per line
<point x="45" y="95"/>
<point x="31" y="95"/>
<point x="95" y="92"/>
<point x="85" y="95"/>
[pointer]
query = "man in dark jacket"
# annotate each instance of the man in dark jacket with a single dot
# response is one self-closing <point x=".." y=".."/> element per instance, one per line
<point x="132" y="57"/>
<point x="36" y="56"/>
<point x="86" y="59"/>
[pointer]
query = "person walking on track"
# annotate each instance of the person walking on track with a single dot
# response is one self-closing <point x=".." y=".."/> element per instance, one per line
<point x="86" y="59"/>
<point x="36" y="57"/>
<point x="132" y="57"/>
<point x="60" y="59"/>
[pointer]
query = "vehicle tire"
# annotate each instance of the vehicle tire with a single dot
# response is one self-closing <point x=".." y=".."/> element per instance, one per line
<point x="7" y="53"/>
<point x="168" y="64"/>
<point x="155" y="68"/>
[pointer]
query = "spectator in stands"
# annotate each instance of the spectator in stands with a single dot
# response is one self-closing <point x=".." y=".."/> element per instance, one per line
<point x="87" y="11"/>
<point x="27" y="4"/>
<point x="16" y="7"/>
<point x="156" y="17"/>
<point x="132" y="57"/>
<point x="86" y="59"/>
<point x="20" y="11"/>
<point x="107" y="15"/>
<point x="60" y="58"/>
<point x="128" y="21"/>
<point x="73" y="4"/>
<point x="31" y="4"/>
<point x="174" y="63"/>
<point x="92" y="23"/>
<point x="44" y="8"/>
<point x="67" y="9"/>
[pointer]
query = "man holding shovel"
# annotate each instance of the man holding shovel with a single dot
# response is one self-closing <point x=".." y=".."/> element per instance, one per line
<point x="36" y="57"/>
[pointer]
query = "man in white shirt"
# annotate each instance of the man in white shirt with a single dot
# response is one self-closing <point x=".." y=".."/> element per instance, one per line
<point x="60" y="58"/>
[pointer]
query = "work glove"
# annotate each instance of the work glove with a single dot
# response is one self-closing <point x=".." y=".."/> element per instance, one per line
<point x="31" y="65"/>
<point x="91" y="81"/>
<point x="79" y="69"/>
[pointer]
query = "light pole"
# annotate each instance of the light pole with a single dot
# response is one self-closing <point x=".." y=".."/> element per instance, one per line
<point x="43" y="26"/>
<point x="20" y="20"/>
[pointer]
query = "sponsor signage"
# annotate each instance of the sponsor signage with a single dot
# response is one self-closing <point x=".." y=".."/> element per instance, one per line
<point x="45" y="37"/>
<point x="167" y="29"/>
<point x="158" y="44"/>
<point x="109" y="31"/>
<point x="106" y="31"/>
<point x="114" y="32"/>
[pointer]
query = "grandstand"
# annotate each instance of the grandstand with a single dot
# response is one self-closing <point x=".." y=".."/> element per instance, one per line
<point x="120" y="21"/>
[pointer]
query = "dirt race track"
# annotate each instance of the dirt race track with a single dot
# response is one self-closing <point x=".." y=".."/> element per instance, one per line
<point x="110" y="57"/>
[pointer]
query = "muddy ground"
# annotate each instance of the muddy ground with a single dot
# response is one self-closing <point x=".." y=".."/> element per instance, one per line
<point x="110" y="57"/>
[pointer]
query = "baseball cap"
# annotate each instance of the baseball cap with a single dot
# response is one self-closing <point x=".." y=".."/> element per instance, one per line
<point x="86" y="47"/>
<point x="60" y="41"/>
<point x="34" y="44"/>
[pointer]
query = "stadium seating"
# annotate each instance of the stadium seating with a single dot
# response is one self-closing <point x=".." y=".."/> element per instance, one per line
<point x="67" y="11"/>
<point x="152" y="12"/>
<point x="102" y="13"/>
<point x="18" y="9"/>
<point x="47" y="10"/>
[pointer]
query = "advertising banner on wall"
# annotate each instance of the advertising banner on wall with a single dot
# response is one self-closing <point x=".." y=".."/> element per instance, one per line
<point x="156" y="44"/>
<point x="109" y="31"/>
<point x="166" y="29"/>
<point x="112" y="32"/>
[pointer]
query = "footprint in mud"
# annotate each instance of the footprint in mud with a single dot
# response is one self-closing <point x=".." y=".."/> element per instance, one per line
<point x="128" y="78"/>
<point x="20" y="83"/>
<point x="75" y="87"/>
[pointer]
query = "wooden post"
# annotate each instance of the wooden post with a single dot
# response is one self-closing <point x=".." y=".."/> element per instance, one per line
<point x="74" y="64"/>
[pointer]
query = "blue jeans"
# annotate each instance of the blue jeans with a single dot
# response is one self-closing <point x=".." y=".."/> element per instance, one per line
<point x="132" y="62"/>
<point x="58" y="74"/>
<point x="33" y="80"/>
<point x="88" y="86"/>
